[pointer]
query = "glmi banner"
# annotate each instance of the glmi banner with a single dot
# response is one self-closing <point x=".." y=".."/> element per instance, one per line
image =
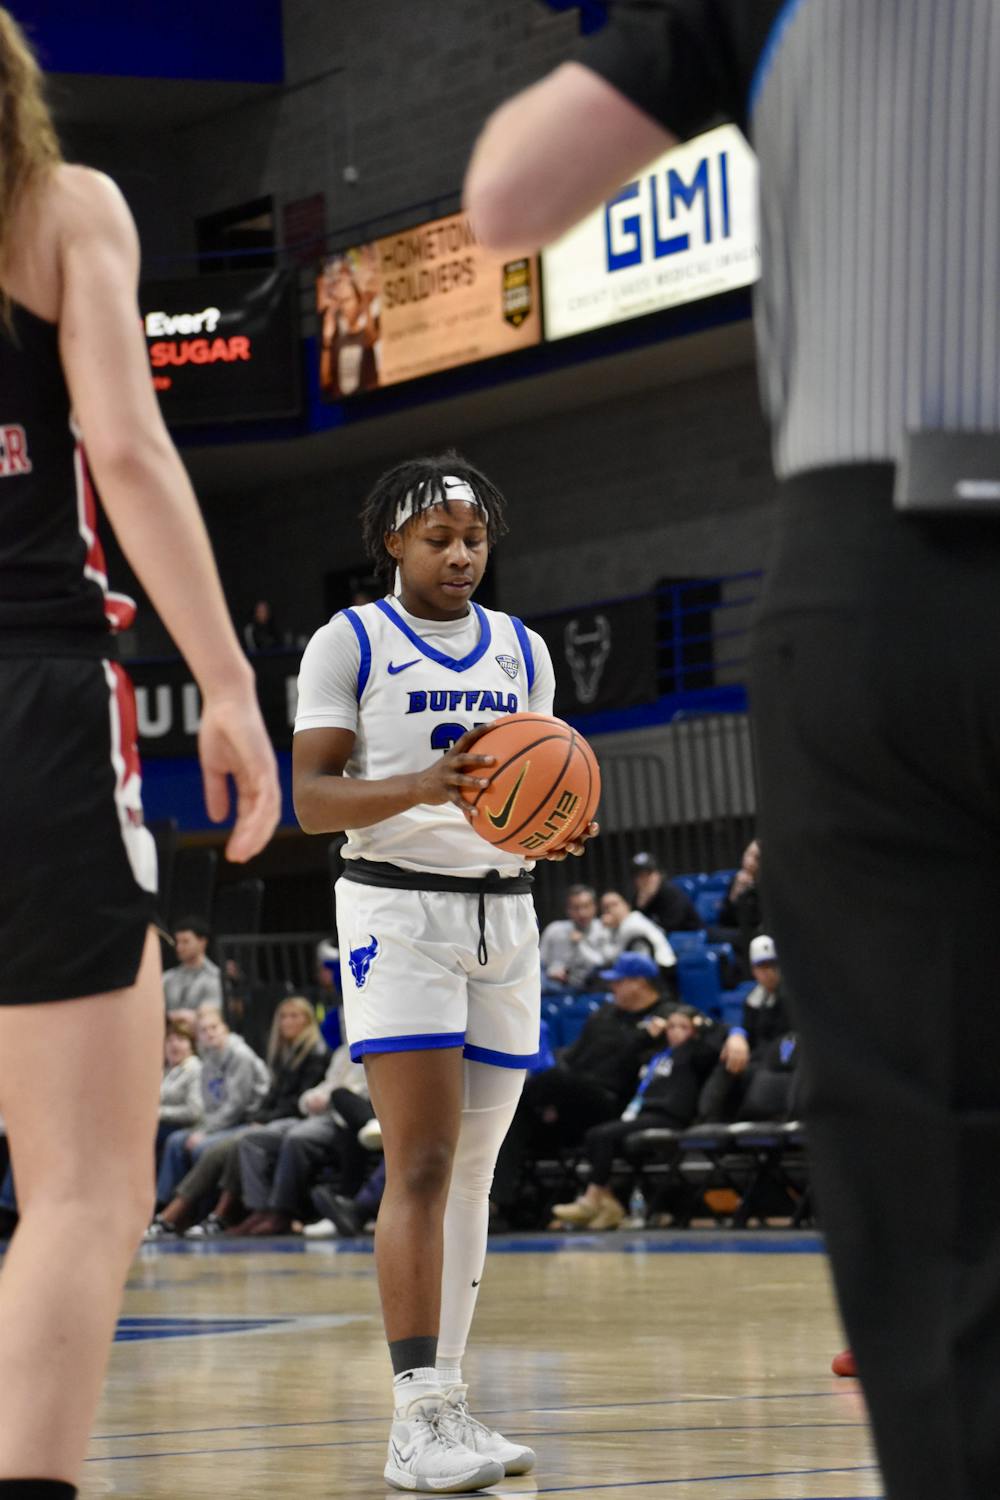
<point x="685" y="229"/>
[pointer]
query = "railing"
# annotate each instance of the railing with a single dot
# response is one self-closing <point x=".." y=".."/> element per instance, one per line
<point x="702" y="630"/>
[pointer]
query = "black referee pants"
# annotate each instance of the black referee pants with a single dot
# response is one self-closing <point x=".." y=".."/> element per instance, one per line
<point x="876" y="712"/>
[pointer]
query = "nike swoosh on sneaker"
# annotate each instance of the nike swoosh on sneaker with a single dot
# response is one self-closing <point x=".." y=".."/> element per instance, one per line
<point x="394" y="670"/>
<point x="402" y="1457"/>
<point x="502" y="818"/>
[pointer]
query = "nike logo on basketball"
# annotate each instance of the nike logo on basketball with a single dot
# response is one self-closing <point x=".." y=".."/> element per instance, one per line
<point x="502" y="818"/>
<point x="394" y="670"/>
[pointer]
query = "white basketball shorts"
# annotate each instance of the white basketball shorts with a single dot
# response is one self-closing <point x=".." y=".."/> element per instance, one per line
<point x="412" y="979"/>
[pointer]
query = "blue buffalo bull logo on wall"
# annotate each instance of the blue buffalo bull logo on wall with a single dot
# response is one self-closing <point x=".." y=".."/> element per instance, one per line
<point x="361" y="960"/>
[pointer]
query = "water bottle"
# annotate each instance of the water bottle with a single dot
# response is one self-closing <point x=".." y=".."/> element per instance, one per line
<point x="637" y="1207"/>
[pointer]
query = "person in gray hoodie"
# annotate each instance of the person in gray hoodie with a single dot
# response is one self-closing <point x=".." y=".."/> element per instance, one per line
<point x="233" y="1081"/>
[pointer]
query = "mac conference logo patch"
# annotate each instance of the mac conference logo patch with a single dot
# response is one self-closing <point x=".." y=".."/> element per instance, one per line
<point x="511" y="665"/>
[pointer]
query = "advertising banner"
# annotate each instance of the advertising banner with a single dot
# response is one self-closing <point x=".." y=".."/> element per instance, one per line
<point x="604" y="655"/>
<point x="413" y="303"/>
<point x="224" y="348"/>
<point x="687" y="228"/>
<point x="168" y="704"/>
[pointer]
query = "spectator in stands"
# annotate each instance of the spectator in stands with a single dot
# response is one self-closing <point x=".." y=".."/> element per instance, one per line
<point x="261" y="632"/>
<point x="739" y="917"/>
<point x="181" y="1100"/>
<point x="765" y="1018"/>
<point x="593" y="1080"/>
<point x="628" y="931"/>
<point x="572" y="948"/>
<point x="659" y="899"/>
<point x="195" y="980"/>
<point x="234" y="1080"/>
<point x="297" y="1057"/>
<point x="345" y="1216"/>
<point x="667" y="1098"/>
<point x="278" y="1163"/>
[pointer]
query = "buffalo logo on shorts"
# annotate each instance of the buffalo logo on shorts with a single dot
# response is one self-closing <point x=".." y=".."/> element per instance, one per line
<point x="511" y="666"/>
<point x="361" y="960"/>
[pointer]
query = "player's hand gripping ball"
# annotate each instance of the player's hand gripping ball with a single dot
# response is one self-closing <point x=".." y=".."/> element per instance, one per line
<point x="543" y="790"/>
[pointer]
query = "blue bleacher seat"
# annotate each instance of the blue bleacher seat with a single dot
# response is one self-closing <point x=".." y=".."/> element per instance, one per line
<point x="552" y="1017"/>
<point x="698" y="981"/>
<point x="726" y="957"/>
<point x="545" y="1057"/>
<point x="686" y="942"/>
<point x="574" y="1014"/>
<point x="720" y="880"/>
<point x="686" y="883"/>
<point x="708" y="904"/>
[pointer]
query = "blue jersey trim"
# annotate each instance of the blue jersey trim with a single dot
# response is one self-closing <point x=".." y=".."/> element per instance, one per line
<point x="428" y="1042"/>
<point x="769" y="52"/>
<point x="524" y="641"/>
<point x="477" y="654"/>
<point x="499" y="1059"/>
<point x="365" y="665"/>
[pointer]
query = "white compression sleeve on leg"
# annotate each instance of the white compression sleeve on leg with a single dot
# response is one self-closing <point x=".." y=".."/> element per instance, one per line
<point x="491" y="1096"/>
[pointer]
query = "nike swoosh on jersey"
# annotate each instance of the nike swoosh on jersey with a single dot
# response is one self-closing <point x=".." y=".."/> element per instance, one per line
<point x="502" y="818"/>
<point x="393" y="669"/>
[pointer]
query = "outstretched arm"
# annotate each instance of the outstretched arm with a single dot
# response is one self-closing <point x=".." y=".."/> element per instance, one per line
<point x="552" y="153"/>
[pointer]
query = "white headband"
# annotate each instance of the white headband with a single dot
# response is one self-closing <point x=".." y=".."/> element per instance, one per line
<point x="454" y="489"/>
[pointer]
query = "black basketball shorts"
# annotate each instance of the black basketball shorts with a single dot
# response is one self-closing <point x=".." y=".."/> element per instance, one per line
<point x="77" y="866"/>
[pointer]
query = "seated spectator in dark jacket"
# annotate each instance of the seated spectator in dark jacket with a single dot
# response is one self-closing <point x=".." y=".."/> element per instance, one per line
<point x="659" y="899"/>
<point x="740" y="915"/>
<point x="765" y="1018"/>
<point x="572" y="948"/>
<point x="667" y="1098"/>
<point x="594" y="1078"/>
<point x="297" y="1055"/>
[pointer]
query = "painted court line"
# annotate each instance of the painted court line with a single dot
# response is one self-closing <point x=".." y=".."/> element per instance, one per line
<point x="117" y="1437"/>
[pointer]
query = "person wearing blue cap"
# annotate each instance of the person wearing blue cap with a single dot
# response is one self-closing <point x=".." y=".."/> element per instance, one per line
<point x="594" y="1078"/>
<point x="667" y="1097"/>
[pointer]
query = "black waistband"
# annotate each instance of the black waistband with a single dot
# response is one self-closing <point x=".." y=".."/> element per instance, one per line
<point x="93" y="645"/>
<point x="392" y="877"/>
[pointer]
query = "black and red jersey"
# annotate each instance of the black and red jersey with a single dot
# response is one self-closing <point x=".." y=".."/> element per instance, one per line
<point x="53" y="577"/>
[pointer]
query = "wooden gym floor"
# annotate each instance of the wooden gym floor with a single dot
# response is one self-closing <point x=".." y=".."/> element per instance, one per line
<point x="636" y="1364"/>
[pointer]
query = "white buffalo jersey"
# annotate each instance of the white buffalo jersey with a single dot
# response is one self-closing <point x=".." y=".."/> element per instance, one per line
<point x="408" y="689"/>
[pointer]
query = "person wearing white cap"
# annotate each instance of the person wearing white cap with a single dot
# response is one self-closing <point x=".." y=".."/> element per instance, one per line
<point x="765" y="1017"/>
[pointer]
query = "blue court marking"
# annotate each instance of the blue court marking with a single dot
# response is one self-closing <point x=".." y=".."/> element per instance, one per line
<point x="135" y="1330"/>
<point x="641" y="1242"/>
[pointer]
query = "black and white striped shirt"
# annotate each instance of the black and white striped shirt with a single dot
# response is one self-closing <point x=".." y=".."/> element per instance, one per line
<point x="877" y="127"/>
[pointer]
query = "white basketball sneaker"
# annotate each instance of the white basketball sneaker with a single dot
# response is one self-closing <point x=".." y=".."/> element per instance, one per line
<point x="460" y="1424"/>
<point x="424" y="1455"/>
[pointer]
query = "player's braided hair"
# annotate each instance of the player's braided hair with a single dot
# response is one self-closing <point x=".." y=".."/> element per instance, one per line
<point x="421" y="478"/>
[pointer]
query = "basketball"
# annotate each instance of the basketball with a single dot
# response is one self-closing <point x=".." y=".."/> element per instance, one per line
<point x="544" y="789"/>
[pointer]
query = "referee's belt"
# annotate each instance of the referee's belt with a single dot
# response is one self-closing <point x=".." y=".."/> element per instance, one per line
<point x="392" y="877"/>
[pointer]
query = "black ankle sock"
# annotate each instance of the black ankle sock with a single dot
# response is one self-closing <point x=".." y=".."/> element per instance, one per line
<point x="36" y="1489"/>
<point x="408" y="1354"/>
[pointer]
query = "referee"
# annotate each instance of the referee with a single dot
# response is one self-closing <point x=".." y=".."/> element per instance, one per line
<point x="876" y="662"/>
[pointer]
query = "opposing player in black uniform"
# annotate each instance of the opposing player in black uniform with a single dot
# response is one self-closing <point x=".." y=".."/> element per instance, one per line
<point x="81" y="1002"/>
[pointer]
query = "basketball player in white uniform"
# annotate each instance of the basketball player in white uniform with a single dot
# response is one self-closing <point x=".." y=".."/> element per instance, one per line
<point x="437" y="931"/>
